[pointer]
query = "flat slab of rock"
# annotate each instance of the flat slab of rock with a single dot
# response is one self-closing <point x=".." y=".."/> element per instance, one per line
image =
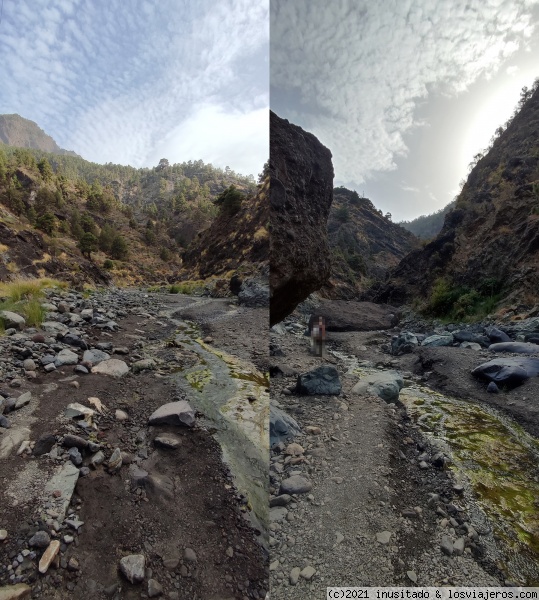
<point x="321" y="381"/>
<point x="508" y="371"/>
<point x="438" y="340"/>
<point x="23" y="400"/>
<point x="168" y="440"/>
<point x="113" y="367"/>
<point x="66" y="357"/>
<point x="15" y="592"/>
<point x="55" y="327"/>
<point x="345" y="315"/>
<point x="173" y="413"/>
<point x="48" y="556"/>
<point x="385" y="384"/>
<point x="516" y="347"/>
<point x="95" y="356"/>
<point x="63" y="481"/>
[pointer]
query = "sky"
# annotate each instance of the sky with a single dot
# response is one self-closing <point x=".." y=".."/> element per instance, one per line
<point x="134" y="81"/>
<point x="403" y="92"/>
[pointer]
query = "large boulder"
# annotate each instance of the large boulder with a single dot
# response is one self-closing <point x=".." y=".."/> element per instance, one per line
<point x="346" y="315"/>
<point x="254" y="293"/>
<point x="301" y="192"/>
<point x="384" y="384"/>
<point x="321" y="381"/>
<point x="516" y="347"/>
<point x="12" y="319"/>
<point x="508" y="372"/>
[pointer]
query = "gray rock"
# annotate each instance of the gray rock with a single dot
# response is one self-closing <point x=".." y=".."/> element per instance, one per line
<point x="4" y="422"/>
<point x="75" y="456"/>
<point x="41" y="539"/>
<point x="132" y="567"/>
<point x="295" y="485"/>
<point x="23" y="400"/>
<point x="115" y="461"/>
<point x="173" y="413"/>
<point x="64" y="481"/>
<point x="66" y="357"/>
<point x="55" y="328"/>
<point x="97" y="459"/>
<point x="95" y="356"/>
<point x="74" y="441"/>
<point x="277" y="513"/>
<point x="254" y="293"/>
<point x="44" y="444"/>
<point x="438" y="340"/>
<point x="383" y="537"/>
<point x="470" y="346"/>
<point x="12" y="320"/>
<point x="168" y="440"/>
<point x="154" y="588"/>
<point x="509" y="372"/>
<point x="281" y="500"/>
<point x="29" y="365"/>
<point x="282" y="426"/>
<point x="496" y="335"/>
<point x="189" y="555"/>
<point x="403" y="343"/>
<point x="385" y="384"/>
<point x="113" y="367"/>
<point x="516" y="347"/>
<point x="446" y="545"/>
<point x="458" y="546"/>
<point x="321" y="381"/>
<point x="294" y="576"/>
<point x="49" y="368"/>
<point x="492" y="388"/>
<point x="47" y="359"/>
<point x="143" y="365"/>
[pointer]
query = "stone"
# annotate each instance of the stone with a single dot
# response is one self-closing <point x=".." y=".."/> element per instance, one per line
<point x="277" y="513"/>
<point x="115" y="461"/>
<point x="19" y="591"/>
<point x="168" y="440"/>
<point x="23" y="400"/>
<point x="76" y="410"/>
<point x="48" y="556"/>
<point x="294" y="575"/>
<point x="29" y="365"/>
<point x="112" y="367"/>
<point x="516" y="347"/>
<point x="154" y="588"/>
<point x="189" y="555"/>
<point x="3" y="535"/>
<point x="509" y="372"/>
<point x="121" y="415"/>
<point x="384" y="384"/>
<point x="446" y="545"/>
<point x="301" y="191"/>
<point x="4" y="422"/>
<point x="296" y="484"/>
<point x="173" y="413"/>
<point x="147" y="364"/>
<point x="470" y="346"/>
<point x="308" y="573"/>
<point x="49" y="368"/>
<point x="294" y="450"/>
<point x="412" y="576"/>
<point x="492" y="388"/>
<point x="458" y="546"/>
<point x="44" y="444"/>
<point x="97" y="459"/>
<point x="383" y="537"/>
<point x="403" y="343"/>
<point x="438" y="340"/>
<point x="254" y="292"/>
<point x="496" y="335"/>
<point x="12" y="320"/>
<point x="66" y="357"/>
<point x="321" y="381"/>
<point x="133" y="567"/>
<point x="63" y="481"/>
<point x="40" y="539"/>
<point x="94" y="356"/>
<point x="281" y="500"/>
<point x="70" y="441"/>
<point x="75" y="456"/>
<point x="282" y="425"/>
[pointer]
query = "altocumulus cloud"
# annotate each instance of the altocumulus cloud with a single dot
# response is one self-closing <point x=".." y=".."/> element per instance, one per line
<point x="120" y="81"/>
<point x="354" y="72"/>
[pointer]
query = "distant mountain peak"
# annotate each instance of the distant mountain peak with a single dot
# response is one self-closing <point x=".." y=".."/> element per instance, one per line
<point x="23" y="133"/>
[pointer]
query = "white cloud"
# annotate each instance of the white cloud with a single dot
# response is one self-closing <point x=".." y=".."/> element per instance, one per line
<point x="112" y="84"/>
<point x="354" y="73"/>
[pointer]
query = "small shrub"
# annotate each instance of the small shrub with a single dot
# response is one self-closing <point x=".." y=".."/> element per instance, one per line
<point x="174" y="289"/>
<point x="108" y="264"/>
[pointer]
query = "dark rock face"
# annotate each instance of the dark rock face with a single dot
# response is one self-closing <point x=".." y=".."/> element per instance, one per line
<point x="341" y="315"/>
<point x="301" y="192"/>
<point x="282" y="426"/>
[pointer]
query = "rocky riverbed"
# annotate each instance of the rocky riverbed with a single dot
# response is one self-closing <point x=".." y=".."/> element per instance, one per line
<point x="101" y="495"/>
<point x="379" y="498"/>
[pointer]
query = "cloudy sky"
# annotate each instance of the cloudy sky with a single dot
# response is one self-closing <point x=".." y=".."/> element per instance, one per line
<point x="133" y="81"/>
<point x="403" y="92"/>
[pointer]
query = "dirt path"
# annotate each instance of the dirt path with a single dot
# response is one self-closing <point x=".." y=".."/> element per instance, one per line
<point x="375" y="515"/>
<point x="177" y="507"/>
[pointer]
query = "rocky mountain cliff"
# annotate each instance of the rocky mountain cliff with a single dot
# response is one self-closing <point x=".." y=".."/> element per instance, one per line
<point x="364" y="245"/>
<point x="301" y="192"/>
<point x="23" y="133"/>
<point x="489" y="245"/>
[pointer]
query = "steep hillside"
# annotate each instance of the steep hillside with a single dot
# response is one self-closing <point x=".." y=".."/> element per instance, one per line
<point x="426" y="227"/>
<point x="364" y="244"/>
<point x="488" y="248"/>
<point x="238" y="239"/>
<point x="20" y="132"/>
<point x="130" y="225"/>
